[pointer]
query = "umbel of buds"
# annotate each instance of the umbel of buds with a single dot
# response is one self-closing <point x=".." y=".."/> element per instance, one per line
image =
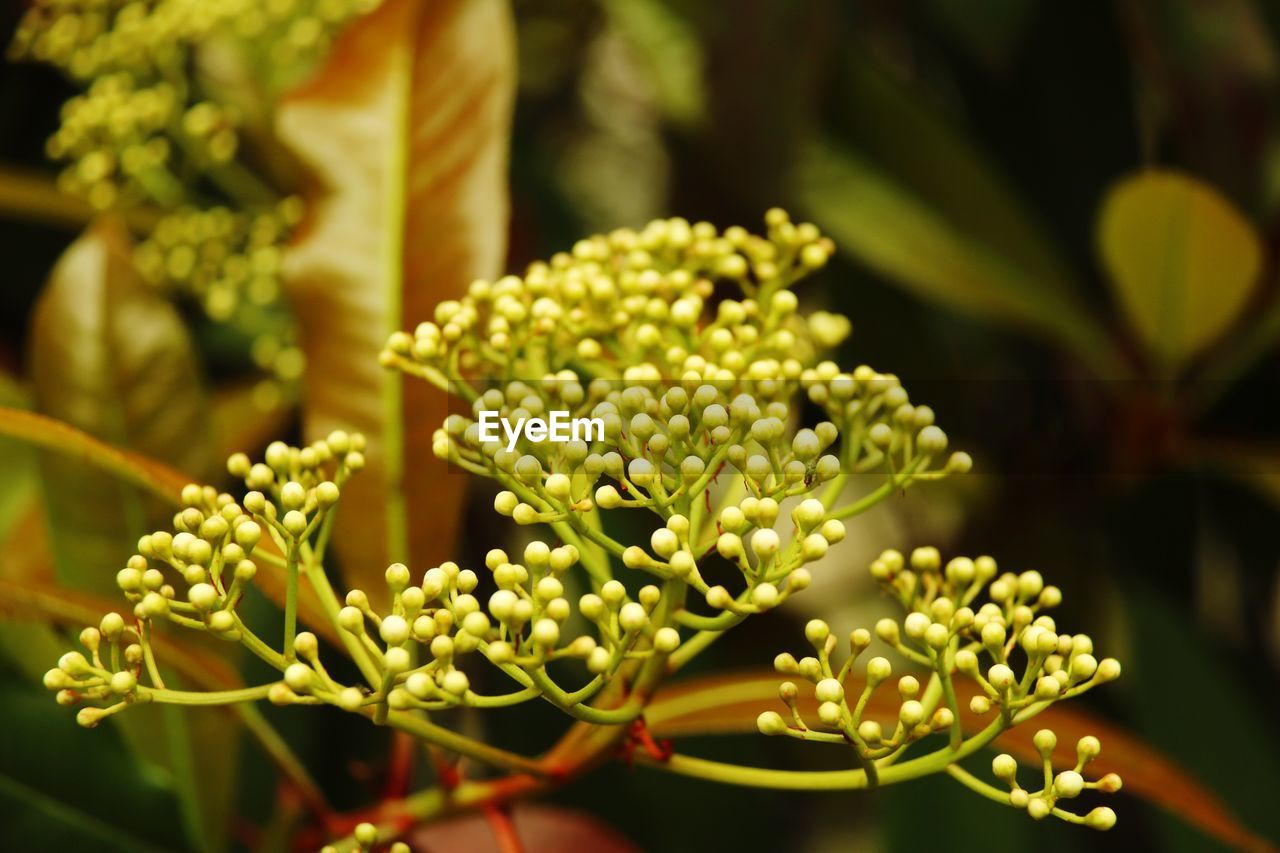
<point x="1003" y="662"/>
<point x="725" y="427"/>
<point x="149" y="129"/>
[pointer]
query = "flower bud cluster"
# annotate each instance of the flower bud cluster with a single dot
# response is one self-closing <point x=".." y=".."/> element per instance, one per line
<point x="1058" y="786"/>
<point x="525" y="623"/>
<point x="293" y="488"/>
<point x="196" y="575"/>
<point x="843" y="717"/>
<point x="151" y="128"/>
<point x="220" y="256"/>
<point x="366" y="837"/>
<point x="89" y="38"/>
<point x="1007" y="648"/>
<point x="114" y="135"/>
<point x="689" y="406"/>
<point x="104" y="677"/>
<point x="879" y="422"/>
<point x="638" y="306"/>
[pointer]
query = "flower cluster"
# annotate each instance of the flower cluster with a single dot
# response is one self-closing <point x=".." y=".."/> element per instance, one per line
<point x="89" y="38"/>
<point x="1063" y="785"/>
<point x="114" y="136"/>
<point x="146" y="117"/>
<point x="196" y="575"/>
<point x="639" y="306"/>
<point x="1008" y="649"/>
<point x="219" y="255"/>
<point x="720" y="419"/>
<point x="433" y="626"/>
<point x="152" y="127"/>
<point x="714" y="410"/>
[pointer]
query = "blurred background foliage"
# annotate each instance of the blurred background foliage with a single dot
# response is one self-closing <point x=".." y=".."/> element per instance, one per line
<point x="1056" y="221"/>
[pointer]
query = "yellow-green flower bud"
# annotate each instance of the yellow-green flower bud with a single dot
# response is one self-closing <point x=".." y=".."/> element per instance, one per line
<point x="771" y="723"/>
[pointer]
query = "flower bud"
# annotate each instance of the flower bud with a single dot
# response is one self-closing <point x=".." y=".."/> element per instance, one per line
<point x="1108" y="670"/>
<point x="829" y="690"/>
<point x="878" y="670"/>
<point x="1068" y="784"/>
<point x="394" y="630"/>
<point x="123" y="683"/>
<point x="666" y="640"/>
<point x="298" y="677"/>
<point x="765" y="543"/>
<point x="911" y="714"/>
<point x="771" y="723"/>
<point x="1045" y="741"/>
<point x="765" y="596"/>
<point x="1001" y="677"/>
<point x="887" y="630"/>
<point x="455" y="681"/>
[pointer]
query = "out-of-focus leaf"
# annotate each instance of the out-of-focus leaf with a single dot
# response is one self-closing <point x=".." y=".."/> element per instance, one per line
<point x="944" y="256"/>
<point x="1166" y="647"/>
<point x="988" y="31"/>
<point x="405" y="131"/>
<point x="17" y="461"/>
<point x="98" y="801"/>
<point x="155" y="478"/>
<point x="729" y="704"/>
<point x="1182" y="260"/>
<point x="35" y="197"/>
<point x="671" y="53"/>
<point x="40" y="607"/>
<point x="1255" y="465"/>
<point x="112" y="357"/>
<point x="762" y="93"/>
<point x="243" y="422"/>
<point x="25" y="554"/>
<point x="1235" y="355"/>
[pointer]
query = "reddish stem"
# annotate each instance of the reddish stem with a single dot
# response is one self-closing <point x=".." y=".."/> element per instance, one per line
<point x="504" y="829"/>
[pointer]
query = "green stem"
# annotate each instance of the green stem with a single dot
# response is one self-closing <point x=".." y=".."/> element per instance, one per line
<point x="462" y="745"/>
<point x="822" y="780"/>
<point x="973" y="783"/>
<point x="291" y="603"/>
<point x="199" y="697"/>
<point x="867" y="501"/>
<point x="329" y="601"/>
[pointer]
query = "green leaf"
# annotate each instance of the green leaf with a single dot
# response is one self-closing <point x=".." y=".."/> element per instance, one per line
<point x="1169" y="651"/>
<point x="984" y="263"/>
<point x="1181" y="259"/>
<point x="112" y="357"/>
<point x="405" y="131"/>
<point x="98" y="800"/>
<point x="672" y="55"/>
